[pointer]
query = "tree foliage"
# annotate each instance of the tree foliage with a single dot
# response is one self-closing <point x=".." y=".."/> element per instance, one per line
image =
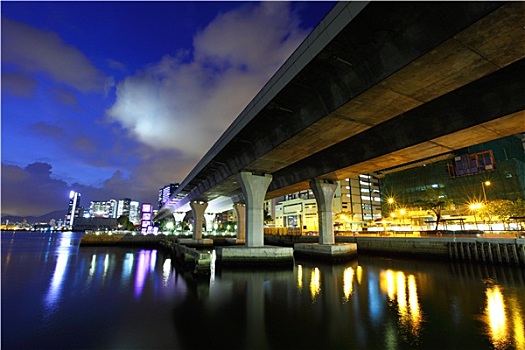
<point x="267" y="216"/>
<point x="504" y="209"/>
<point x="124" y="223"/>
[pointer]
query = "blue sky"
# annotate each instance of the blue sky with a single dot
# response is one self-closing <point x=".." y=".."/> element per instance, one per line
<point x="116" y="99"/>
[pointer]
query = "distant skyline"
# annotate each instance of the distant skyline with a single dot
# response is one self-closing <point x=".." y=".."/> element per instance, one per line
<point x="117" y="99"/>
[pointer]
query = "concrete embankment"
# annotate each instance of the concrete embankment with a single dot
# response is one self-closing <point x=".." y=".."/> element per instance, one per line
<point x="120" y="240"/>
<point x="484" y="250"/>
<point x="509" y="251"/>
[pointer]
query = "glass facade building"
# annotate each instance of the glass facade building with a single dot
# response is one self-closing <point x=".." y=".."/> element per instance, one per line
<point x="461" y="175"/>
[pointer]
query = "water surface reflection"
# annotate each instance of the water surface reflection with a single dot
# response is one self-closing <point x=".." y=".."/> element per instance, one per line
<point x="57" y="295"/>
<point x="369" y="303"/>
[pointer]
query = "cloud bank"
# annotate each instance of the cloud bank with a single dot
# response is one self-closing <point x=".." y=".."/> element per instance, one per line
<point x="185" y="102"/>
<point x="34" y="190"/>
<point x="173" y="109"/>
<point x="33" y="50"/>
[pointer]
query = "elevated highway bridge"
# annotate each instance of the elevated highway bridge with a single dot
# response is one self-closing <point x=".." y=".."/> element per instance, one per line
<point x="374" y="86"/>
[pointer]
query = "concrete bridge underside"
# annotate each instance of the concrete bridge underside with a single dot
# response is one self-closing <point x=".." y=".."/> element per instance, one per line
<point x="374" y="86"/>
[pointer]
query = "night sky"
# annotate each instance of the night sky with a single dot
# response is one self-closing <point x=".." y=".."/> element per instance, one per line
<point x="117" y="99"/>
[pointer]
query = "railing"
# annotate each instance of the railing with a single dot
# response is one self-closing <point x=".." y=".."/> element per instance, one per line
<point x="283" y="231"/>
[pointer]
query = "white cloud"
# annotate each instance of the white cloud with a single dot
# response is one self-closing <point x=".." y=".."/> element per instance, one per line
<point x="185" y="103"/>
<point x="34" y="50"/>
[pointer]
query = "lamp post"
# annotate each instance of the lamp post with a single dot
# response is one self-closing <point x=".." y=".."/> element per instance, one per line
<point x="475" y="207"/>
<point x="483" y="185"/>
<point x="402" y="212"/>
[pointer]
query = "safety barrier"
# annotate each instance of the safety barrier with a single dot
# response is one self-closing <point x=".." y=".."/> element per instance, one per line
<point x="510" y="253"/>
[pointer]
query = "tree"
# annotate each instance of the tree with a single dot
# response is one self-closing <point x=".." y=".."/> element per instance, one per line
<point x="267" y="216"/>
<point x="342" y="219"/>
<point x="124" y="223"/>
<point x="434" y="200"/>
<point x="504" y="209"/>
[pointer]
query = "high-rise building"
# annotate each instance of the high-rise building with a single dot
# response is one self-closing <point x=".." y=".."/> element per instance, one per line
<point x="166" y="192"/>
<point x="461" y="175"/>
<point x="146" y="223"/>
<point x="103" y="209"/>
<point x="357" y="201"/>
<point x="134" y="212"/>
<point x="123" y="207"/>
<point x="74" y="209"/>
<point x="361" y="196"/>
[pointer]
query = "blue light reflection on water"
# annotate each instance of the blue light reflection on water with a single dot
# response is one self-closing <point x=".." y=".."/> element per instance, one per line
<point x="53" y="292"/>
<point x="57" y="295"/>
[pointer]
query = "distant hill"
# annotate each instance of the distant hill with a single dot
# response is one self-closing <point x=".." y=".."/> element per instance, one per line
<point x="57" y="214"/>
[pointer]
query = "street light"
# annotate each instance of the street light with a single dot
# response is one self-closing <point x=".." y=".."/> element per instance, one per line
<point x="483" y="185"/>
<point x="475" y="207"/>
<point x="402" y="212"/>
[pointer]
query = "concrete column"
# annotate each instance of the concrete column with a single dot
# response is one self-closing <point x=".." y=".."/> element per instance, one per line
<point x="254" y="189"/>
<point x="240" y="213"/>
<point x="179" y="216"/>
<point x="198" y="208"/>
<point x="209" y="221"/>
<point x="324" y="192"/>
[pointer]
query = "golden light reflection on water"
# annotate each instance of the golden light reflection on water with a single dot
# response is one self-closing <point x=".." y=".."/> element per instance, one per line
<point x="348" y="280"/>
<point x="403" y="291"/>
<point x="504" y="318"/>
<point x="518" y="321"/>
<point x="359" y="271"/>
<point x="299" y="277"/>
<point x="413" y="303"/>
<point x="315" y="283"/>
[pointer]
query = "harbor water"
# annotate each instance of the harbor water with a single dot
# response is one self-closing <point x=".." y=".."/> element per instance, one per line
<point x="57" y="295"/>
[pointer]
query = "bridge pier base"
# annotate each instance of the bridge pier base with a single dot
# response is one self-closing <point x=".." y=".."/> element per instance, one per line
<point x="324" y="192"/>
<point x="337" y="251"/>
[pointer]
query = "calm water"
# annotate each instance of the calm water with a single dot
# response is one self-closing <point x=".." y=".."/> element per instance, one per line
<point x="56" y="295"/>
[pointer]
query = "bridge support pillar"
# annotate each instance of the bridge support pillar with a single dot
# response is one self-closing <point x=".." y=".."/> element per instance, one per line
<point x="254" y="189"/>
<point x="209" y="221"/>
<point x="240" y="212"/>
<point x="179" y="216"/>
<point x="324" y="191"/>
<point x="198" y="209"/>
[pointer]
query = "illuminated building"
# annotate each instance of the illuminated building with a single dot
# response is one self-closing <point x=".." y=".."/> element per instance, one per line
<point x="461" y="175"/>
<point x="123" y="207"/>
<point x="357" y="201"/>
<point x="146" y="223"/>
<point x="103" y="209"/>
<point x="74" y="209"/>
<point x="166" y="192"/>
<point x="134" y="212"/>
